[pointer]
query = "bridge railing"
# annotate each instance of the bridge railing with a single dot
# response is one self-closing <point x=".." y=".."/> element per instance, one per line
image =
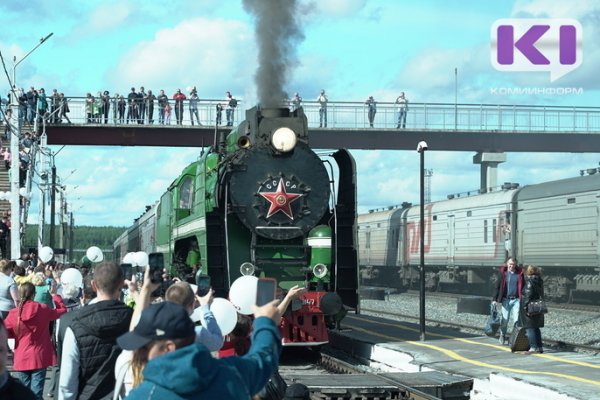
<point x="427" y="116"/>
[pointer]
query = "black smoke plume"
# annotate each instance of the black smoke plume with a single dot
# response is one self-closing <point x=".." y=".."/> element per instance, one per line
<point x="278" y="33"/>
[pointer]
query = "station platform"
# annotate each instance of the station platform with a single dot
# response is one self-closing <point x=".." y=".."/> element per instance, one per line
<point x="497" y="373"/>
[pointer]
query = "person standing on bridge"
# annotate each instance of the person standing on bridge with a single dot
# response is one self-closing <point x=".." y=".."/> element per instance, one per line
<point x="132" y="109"/>
<point x="179" y="98"/>
<point x="296" y="102"/>
<point x="322" y="100"/>
<point x="141" y="101"/>
<point x="150" y="104"/>
<point x="509" y="287"/>
<point x="402" y="103"/>
<point x="163" y="100"/>
<point x="64" y="108"/>
<point x="372" y="107"/>
<point x="54" y="107"/>
<point x="194" y="99"/>
<point x="105" y="106"/>
<point x="121" y="105"/>
<point x="231" y="104"/>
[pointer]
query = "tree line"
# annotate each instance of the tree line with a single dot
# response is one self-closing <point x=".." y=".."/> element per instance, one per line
<point x="83" y="236"/>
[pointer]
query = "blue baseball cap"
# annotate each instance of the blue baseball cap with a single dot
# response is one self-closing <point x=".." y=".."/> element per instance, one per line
<point x="160" y="321"/>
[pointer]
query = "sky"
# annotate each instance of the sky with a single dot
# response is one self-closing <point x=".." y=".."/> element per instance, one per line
<point x="352" y="48"/>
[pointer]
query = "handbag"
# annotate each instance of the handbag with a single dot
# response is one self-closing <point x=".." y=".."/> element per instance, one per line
<point x="536" y="307"/>
<point x="493" y="322"/>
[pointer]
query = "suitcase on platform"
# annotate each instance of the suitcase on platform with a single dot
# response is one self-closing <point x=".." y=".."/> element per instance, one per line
<point x="518" y="339"/>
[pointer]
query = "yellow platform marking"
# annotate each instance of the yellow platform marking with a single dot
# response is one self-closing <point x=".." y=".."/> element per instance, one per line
<point x="458" y="357"/>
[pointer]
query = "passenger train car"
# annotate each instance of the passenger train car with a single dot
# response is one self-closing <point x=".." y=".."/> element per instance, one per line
<point x="553" y="225"/>
<point x="261" y="202"/>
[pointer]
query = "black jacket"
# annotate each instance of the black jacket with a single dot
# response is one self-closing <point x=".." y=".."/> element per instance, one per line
<point x="533" y="290"/>
<point x="96" y="328"/>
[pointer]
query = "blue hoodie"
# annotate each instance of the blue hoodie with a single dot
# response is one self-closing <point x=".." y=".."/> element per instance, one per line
<point x="192" y="373"/>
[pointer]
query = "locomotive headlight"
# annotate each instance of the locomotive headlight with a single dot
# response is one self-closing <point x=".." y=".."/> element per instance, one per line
<point x="247" y="268"/>
<point x="284" y="139"/>
<point x="320" y="271"/>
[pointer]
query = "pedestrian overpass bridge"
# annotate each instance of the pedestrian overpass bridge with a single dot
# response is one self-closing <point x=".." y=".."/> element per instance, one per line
<point x="444" y="126"/>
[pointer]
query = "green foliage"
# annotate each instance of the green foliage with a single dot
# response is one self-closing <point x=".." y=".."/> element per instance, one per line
<point x="83" y="236"/>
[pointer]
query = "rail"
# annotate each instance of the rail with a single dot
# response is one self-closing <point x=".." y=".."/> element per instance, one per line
<point x="354" y="115"/>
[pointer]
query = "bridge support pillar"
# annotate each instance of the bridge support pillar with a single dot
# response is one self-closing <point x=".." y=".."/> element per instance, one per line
<point x="489" y="169"/>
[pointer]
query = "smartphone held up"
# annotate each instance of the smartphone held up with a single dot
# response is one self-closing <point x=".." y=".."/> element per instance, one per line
<point x="265" y="291"/>
<point x="203" y="283"/>
<point x="156" y="262"/>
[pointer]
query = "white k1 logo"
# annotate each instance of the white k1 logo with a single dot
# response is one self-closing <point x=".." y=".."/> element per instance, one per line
<point x="534" y="45"/>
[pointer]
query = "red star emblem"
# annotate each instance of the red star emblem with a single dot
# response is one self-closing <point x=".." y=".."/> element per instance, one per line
<point x="280" y="200"/>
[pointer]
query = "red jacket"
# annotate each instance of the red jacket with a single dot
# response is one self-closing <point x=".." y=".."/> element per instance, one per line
<point x="33" y="347"/>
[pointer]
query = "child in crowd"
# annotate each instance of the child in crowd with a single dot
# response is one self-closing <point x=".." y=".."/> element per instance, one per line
<point x="167" y="114"/>
<point x="21" y="275"/>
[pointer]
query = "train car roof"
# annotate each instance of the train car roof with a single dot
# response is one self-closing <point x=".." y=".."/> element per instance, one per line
<point x="470" y="202"/>
<point x="561" y="187"/>
<point x="149" y="213"/>
<point x="378" y="216"/>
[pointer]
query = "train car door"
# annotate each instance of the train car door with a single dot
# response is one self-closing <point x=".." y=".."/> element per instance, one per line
<point x="451" y="242"/>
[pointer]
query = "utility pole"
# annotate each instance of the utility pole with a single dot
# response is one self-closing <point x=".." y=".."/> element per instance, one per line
<point x="52" y="205"/>
<point x="15" y="134"/>
<point x="71" y="222"/>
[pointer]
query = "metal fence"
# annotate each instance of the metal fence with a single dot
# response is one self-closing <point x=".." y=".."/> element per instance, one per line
<point x="354" y="115"/>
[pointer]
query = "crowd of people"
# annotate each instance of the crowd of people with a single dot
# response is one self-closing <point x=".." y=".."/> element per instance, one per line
<point x="114" y="338"/>
<point x="141" y="106"/>
<point x="138" y="107"/>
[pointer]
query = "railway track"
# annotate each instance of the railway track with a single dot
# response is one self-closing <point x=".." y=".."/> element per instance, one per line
<point x="333" y="375"/>
<point x="555" y="305"/>
<point x="555" y="344"/>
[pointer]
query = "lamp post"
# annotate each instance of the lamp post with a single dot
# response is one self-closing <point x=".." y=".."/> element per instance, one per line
<point x="455" y="98"/>
<point x="421" y="148"/>
<point x="15" y="203"/>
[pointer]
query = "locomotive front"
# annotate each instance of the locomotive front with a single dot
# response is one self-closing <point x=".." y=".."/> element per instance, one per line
<point x="280" y="193"/>
<point x="278" y="187"/>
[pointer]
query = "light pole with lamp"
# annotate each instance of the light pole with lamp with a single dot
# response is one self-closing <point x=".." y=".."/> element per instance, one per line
<point x="15" y="201"/>
<point x="455" y="98"/>
<point x="421" y="148"/>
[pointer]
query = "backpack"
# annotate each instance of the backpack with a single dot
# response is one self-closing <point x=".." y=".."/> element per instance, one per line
<point x="274" y="389"/>
<point x="233" y="103"/>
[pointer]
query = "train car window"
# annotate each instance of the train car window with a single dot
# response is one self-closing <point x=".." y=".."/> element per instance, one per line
<point x="368" y="240"/>
<point x="485" y="231"/>
<point x="571" y="200"/>
<point x="494" y="235"/>
<point x="469" y="213"/>
<point x="185" y="194"/>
